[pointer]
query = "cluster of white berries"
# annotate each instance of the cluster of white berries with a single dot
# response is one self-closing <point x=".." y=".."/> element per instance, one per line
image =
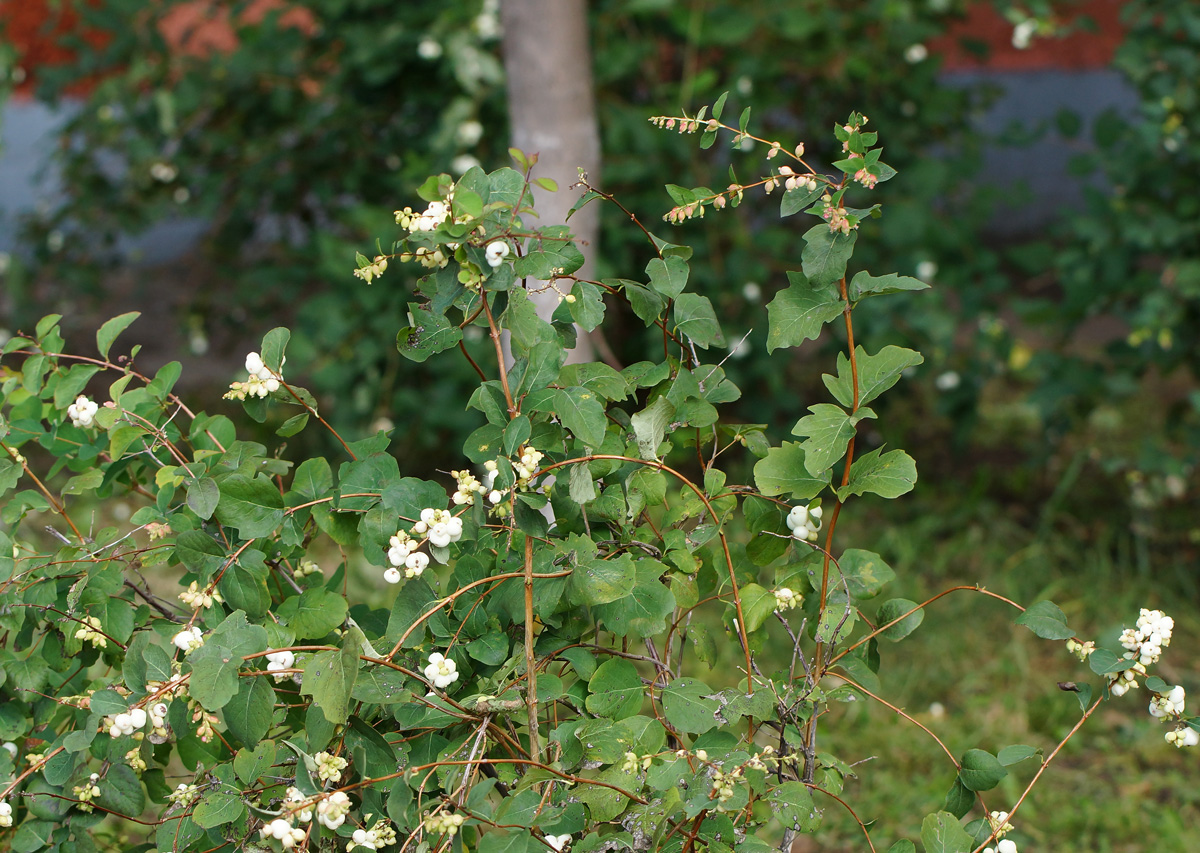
<point x="1151" y="634"/>
<point x="306" y="568"/>
<point x="1001" y="827"/>
<point x="527" y="465"/>
<point x="428" y="220"/>
<point x="184" y="794"/>
<point x="329" y="767"/>
<point x="468" y="487"/>
<point x="1080" y="650"/>
<point x="442" y="671"/>
<point x="558" y="842"/>
<point x="792" y="181"/>
<point x="126" y="724"/>
<point x="496" y="252"/>
<point x="261" y="381"/>
<point x="188" y="640"/>
<point x="440" y="526"/>
<point x="447" y="823"/>
<point x="279" y="661"/>
<point x="1168" y="704"/>
<point x="5" y="814"/>
<point x="368" y="271"/>
<point x="403" y="553"/>
<point x="376" y="838"/>
<point x="87" y="792"/>
<point x="786" y="599"/>
<point x="90" y="633"/>
<point x="195" y="597"/>
<point x="805" y="522"/>
<point x="82" y="411"/>
<point x="332" y="811"/>
<point x="282" y="831"/>
<point x="295" y="797"/>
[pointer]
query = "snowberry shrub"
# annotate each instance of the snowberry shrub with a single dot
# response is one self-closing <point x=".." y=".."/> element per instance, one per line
<point x="540" y="676"/>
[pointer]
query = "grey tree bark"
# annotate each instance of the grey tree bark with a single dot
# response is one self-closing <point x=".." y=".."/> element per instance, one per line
<point x="548" y="64"/>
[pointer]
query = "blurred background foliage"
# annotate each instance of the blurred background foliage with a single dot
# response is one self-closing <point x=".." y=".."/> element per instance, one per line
<point x="1061" y="357"/>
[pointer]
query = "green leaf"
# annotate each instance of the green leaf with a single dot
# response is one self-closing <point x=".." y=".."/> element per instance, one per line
<point x="274" y="344"/>
<point x="253" y="506"/>
<point x="876" y="373"/>
<point x="604" y="803"/>
<point x="903" y="846"/>
<point x="218" y="807"/>
<point x="1016" y="753"/>
<point x="1104" y="662"/>
<point x="121" y="791"/>
<point x="329" y="678"/>
<point x="942" y="833"/>
<point x="695" y="318"/>
<point x="891" y="610"/>
<point x="650" y="425"/>
<point x="645" y="610"/>
<point x="864" y="285"/>
<point x="797" y="314"/>
<point x="107" y="334"/>
<point x="981" y="771"/>
<point x="757" y="605"/>
<point x="825" y="255"/>
<point x="837" y="619"/>
<point x="959" y="799"/>
<point x="203" y="496"/>
<point x="244" y="585"/>
<point x="865" y="572"/>
<point x="215" y="664"/>
<point x="313" y="613"/>
<point x="888" y="475"/>
<point x="581" y="486"/>
<point x="668" y="276"/>
<point x="689" y="706"/>
<point x="792" y="804"/>
<point x="249" y="764"/>
<point x="796" y="200"/>
<point x="615" y="690"/>
<point x="783" y="472"/>
<point x="1047" y="621"/>
<point x="581" y="411"/>
<point x="427" y="335"/>
<point x="248" y="714"/>
<point x="829" y="430"/>
<point x="602" y="581"/>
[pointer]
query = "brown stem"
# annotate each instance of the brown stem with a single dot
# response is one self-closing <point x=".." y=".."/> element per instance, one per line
<point x="530" y="660"/>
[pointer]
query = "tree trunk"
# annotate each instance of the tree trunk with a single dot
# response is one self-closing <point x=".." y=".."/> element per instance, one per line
<point x="548" y="63"/>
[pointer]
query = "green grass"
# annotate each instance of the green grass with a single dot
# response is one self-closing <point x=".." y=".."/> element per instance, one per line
<point x="978" y="680"/>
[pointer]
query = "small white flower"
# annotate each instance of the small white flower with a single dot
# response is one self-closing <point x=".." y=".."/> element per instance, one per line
<point x="1023" y="33"/>
<point x="189" y="639"/>
<point x="442" y="671"/>
<point x="558" y="842"/>
<point x="916" y="53"/>
<point x="947" y="381"/>
<point x="82" y="411"/>
<point x="469" y="132"/>
<point x="429" y="49"/>
<point x="496" y="252"/>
